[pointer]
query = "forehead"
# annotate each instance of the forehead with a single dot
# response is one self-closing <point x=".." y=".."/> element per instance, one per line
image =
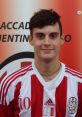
<point x="47" y="29"/>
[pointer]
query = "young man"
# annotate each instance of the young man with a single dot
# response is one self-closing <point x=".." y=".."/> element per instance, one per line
<point x="47" y="88"/>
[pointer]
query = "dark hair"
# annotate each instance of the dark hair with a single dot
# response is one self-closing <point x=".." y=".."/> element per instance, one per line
<point x="43" y="18"/>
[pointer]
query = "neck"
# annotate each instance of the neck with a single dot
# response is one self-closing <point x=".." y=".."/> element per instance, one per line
<point x="48" y="70"/>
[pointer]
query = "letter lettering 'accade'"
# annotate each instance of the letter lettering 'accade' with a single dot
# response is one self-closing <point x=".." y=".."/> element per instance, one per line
<point x="14" y="25"/>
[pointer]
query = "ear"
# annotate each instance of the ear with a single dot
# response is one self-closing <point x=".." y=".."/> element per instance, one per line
<point x="62" y="40"/>
<point x="30" y="39"/>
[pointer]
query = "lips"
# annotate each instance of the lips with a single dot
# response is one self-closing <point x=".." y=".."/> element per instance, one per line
<point x="47" y="49"/>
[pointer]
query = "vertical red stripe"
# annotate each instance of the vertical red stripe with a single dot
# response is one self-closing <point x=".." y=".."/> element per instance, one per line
<point x="61" y="95"/>
<point x="16" y="97"/>
<point x="36" y="97"/>
<point x="79" y="111"/>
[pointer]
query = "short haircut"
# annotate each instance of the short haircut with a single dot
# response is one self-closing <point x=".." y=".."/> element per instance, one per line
<point x="43" y="18"/>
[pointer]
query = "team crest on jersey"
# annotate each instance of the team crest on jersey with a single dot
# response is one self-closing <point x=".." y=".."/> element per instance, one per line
<point x="72" y="105"/>
<point x="49" y="108"/>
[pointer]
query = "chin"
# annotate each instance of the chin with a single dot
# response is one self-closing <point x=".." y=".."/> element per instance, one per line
<point x="47" y="59"/>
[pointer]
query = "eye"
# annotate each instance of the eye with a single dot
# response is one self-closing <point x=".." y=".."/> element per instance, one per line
<point x="53" y="35"/>
<point x="40" y="35"/>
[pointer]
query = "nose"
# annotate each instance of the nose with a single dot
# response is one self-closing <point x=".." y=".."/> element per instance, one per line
<point x="47" y="40"/>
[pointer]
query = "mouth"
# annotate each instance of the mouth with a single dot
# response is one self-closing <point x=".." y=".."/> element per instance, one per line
<point x="47" y="50"/>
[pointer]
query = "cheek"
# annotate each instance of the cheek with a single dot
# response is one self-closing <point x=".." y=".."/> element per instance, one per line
<point x="57" y="43"/>
<point x="37" y="45"/>
<point x="36" y="48"/>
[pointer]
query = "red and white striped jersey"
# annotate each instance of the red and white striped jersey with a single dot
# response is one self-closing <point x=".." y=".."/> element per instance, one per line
<point x="24" y="93"/>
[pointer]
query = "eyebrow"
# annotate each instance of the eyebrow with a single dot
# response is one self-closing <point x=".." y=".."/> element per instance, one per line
<point x="39" y="33"/>
<point x="54" y="33"/>
<point x="44" y="33"/>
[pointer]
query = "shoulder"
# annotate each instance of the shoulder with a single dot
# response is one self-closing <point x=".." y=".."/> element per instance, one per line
<point x="17" y="74"/>
<point x="13" y="80"/>
<point x="14" y="77"/>
<point x="73" y="73"/>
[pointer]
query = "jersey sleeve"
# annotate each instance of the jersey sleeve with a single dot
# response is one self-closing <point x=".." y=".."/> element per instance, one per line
<point x="9" y="93"/>
<point x="10" y="90"/>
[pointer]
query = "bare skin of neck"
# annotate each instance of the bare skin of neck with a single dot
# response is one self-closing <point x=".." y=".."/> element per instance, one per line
<point x="48" y="70"/>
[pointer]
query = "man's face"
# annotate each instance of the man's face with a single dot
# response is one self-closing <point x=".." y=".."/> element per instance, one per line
<point x="46" y="42"/>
